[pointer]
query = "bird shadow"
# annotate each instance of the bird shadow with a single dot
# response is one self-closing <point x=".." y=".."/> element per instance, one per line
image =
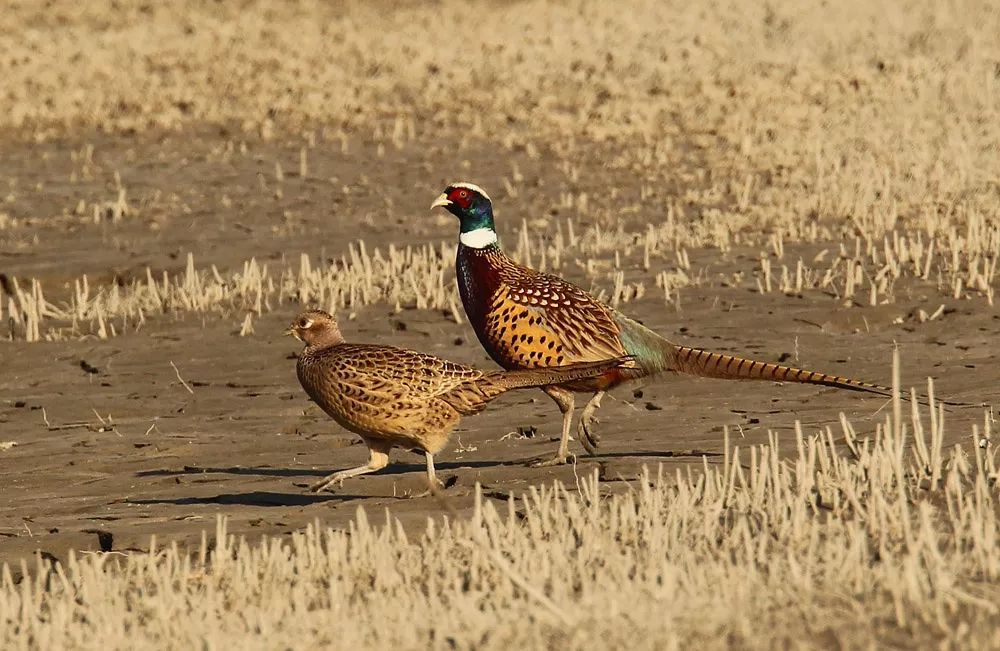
<point x="253" y="498"/>
<point x="666" y="454"/>
<point x="397" y="468"/>
<point x="404" y="468"/>
<point x="258" y="471"/>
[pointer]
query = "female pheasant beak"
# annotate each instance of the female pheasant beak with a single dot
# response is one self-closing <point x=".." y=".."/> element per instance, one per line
<point x="441" y="202"/>
<point x="293" y="332"/>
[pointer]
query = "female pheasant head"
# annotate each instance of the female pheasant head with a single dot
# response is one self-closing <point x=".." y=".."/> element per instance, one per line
<point x="316" y="328"/>
<point x="472" y="206"/>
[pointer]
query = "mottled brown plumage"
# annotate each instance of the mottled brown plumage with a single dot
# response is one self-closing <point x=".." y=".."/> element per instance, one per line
<point x="396" y="397"/>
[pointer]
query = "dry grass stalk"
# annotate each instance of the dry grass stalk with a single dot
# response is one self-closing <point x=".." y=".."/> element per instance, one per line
<point x="869" y="540"/>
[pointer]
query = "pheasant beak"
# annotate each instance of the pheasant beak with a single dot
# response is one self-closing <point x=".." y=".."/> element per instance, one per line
<point x="441" y="202"/>
<point x="292" y="332"/>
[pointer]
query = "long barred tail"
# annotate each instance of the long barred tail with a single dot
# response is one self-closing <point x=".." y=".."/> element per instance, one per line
<point x="695" y="361"/>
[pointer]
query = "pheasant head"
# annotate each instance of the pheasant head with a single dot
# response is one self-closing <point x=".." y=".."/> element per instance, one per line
<point x="316" y="328"/>
<point x="472" y="206"/>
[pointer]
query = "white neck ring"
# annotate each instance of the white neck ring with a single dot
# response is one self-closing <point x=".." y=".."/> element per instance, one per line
<point x="479" y="238"/>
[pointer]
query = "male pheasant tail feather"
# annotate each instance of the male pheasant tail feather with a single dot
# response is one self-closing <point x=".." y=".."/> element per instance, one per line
<point x="694" y="361"/>
<point x="656" y="355"/>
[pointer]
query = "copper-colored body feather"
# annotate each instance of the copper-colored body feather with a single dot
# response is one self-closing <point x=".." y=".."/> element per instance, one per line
<point x="395" y="397"/>
<point x="534" y="320"/>
<point x="528" y="319"/>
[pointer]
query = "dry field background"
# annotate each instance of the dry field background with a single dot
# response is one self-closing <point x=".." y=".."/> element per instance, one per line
<point x="803" y="181"/>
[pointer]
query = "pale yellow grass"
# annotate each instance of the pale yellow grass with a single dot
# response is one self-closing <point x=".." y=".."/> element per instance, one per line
<point x="867" y="130"/>
<point x="407" y="277"/>
<point x="616" y="263"/>
<point x="872" y="130"/>
<point x="877" y="114"/>
<point x="886" y="543"/>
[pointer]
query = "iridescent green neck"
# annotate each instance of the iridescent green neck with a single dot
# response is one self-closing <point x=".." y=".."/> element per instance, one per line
<point x="477" y="217"/>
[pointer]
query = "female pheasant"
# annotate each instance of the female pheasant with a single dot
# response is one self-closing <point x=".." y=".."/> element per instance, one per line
<point x="395" y="397"/>
<point x="528" y="319"/>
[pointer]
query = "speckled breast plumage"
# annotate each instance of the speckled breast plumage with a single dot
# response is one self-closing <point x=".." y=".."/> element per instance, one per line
<point x="526" y="319"/>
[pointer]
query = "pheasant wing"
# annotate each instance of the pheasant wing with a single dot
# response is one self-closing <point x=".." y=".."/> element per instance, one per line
<point x="387" y="390"/>
<point x="406" y="372"/>
<point x="541" y="320"/>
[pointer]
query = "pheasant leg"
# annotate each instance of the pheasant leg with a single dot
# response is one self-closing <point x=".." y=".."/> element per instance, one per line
<point x="586" y="430"/>
<point x="565" y="400"/>
<point x="379" y="459"/>
<point x="433" y="483"/>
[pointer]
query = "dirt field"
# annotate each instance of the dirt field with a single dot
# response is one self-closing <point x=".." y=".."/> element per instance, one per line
<point x="726" y="188"/>
<point x="245" y="440"/>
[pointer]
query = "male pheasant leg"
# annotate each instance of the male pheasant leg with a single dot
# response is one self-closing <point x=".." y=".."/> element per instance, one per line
<point x="588" y="434"/>
<point x="565" y="400"/>
<point x="378" y="459"/>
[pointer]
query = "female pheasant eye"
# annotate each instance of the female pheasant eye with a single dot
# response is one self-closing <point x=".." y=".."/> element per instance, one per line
<point x="304" y="323"/>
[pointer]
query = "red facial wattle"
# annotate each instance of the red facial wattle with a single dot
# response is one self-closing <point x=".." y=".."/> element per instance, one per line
<point x="460" y="197"/>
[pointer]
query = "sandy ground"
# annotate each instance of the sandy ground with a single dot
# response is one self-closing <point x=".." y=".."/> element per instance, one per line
<point x="244" y="441"/>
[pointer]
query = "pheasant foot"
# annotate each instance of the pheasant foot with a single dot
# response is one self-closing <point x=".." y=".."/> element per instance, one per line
<point x="558" y="460"/>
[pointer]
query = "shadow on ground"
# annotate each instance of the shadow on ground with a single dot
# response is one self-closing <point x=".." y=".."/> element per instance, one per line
<point x="254" y="498"/>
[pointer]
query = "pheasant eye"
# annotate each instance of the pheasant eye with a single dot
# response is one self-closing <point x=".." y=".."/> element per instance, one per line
<point x="463" y="194"/>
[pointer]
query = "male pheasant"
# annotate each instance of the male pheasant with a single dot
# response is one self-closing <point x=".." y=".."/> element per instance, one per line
<point x="395" y="397"/>
<point x="528" y="319"/>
